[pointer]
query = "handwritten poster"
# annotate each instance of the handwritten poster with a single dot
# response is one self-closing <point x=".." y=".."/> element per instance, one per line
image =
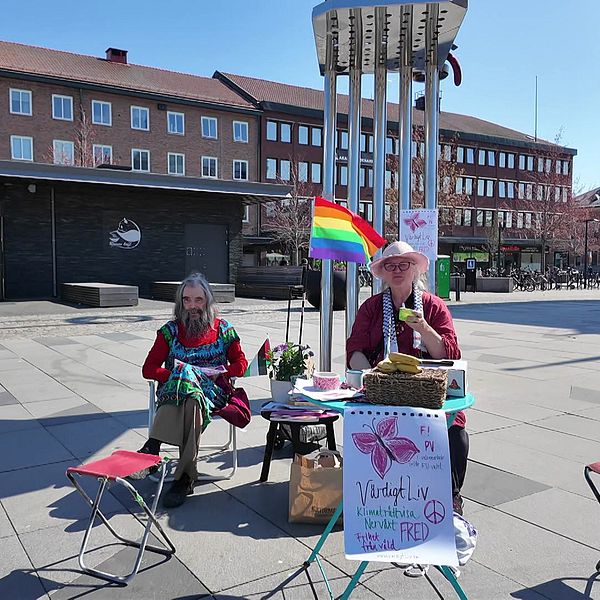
<point x="419" y="228"/>
<point x="397" y="486"/>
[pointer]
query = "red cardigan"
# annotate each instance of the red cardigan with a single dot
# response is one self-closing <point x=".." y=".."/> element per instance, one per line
<point x="367" y="333"/>
<point x="153" y="365"/>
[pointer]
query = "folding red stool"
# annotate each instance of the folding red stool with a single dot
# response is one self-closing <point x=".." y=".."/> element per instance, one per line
<point x="110" y="470"/>
<point x="593" y="468"/>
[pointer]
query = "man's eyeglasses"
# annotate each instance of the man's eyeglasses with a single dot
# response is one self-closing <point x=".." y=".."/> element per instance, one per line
<point x="391" y="267"/>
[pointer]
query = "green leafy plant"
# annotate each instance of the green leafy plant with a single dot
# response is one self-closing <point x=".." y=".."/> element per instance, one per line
<point x="289" y="360"/>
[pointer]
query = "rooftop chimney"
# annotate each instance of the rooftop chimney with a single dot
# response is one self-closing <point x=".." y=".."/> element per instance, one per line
<point x="116" y="55"/>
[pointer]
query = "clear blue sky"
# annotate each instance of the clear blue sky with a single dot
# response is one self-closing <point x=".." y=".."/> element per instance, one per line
<point x="503" y="45"/>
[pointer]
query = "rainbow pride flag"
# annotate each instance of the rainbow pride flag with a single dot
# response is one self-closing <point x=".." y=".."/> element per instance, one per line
<point x="339" y="234"/>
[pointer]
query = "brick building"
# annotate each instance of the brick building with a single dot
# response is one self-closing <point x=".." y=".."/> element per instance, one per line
<point x="501" y="180"/>
<point x="182" y="152"/>
<point x="86" y="111"/>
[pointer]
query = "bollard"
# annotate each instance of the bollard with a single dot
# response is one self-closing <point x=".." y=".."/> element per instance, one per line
<point x="457" y="290"/>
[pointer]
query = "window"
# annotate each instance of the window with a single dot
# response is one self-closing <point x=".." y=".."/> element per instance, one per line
<point x="315" y="136"/>
<point x="530" y="163"/>
<point x="510" y="161"/>
<point x="447" y="152"/>
<point x="502" y="160"/>
<point x="457" y="216"/>
<point x="21" y="147"/>
<point x="468" y="185"/>
<point x="64" y="152"/>
<point x="526" y="162"/>
<point x="369" y="177"/>
<point x="343" y="175"/>
<point x="489" y="218"/>
<point x="271" y="168"/>
<point x="209" y="127"/>
<point x="389" y="145"/>
<point x="491" y="158"/>
<point x="470" y="156"/>
<point x="246" y="217"/>
<point x="501" y="218"/>
<point x="175" y="163"/>
<point x="481" y="160"/>
<point x="557" y="194"/>
<point x="481" y="187"/>
<point x="520" y="220"/>
<point x="510" y="189"/>
<point x="467" y="215"/>
<point x="315" y="172"/>
<point x="502" y="189"/>
<point x="558" y="166"/>
<point x="480" y="216"/>
<point x="343" y="140"/>
<point x="285" y="133"/>
<point x="548" y="165"/>
<point x="362" y="177"/>
<point x="303" y="171"/>
<point x="240" y="132"/>
<point x="540" y="164"/>
<point x="272" y="131"/>
<point x="102" y="154"/>
<point x="140" y="118"/>
<point x="175" y="123"/>
<point x="446" y="184"/>
<point x="388" y="179"/>
<point x="508" y="219"/>
<point x="101" y="113"/>
<point x="528" y="220"/>
<point x="540" y="192"/>
<point x="413" y="151"/>
<point x="284" y="170"/>
<point x="489" y="192"/>
<point x="209" y="167"/>
<point x="240" y="169"/>
<point x="62" y="107"/>
<point x="303" y="135"/>
<point x="20" y="102"/>
<point x="140" y="160"/>
<point x="565" y="167"/>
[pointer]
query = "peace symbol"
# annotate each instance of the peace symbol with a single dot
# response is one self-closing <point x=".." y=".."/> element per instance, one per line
<point x="434" y="511"/>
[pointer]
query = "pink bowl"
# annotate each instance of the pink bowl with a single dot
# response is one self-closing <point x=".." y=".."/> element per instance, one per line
<point x="326" y="381"/>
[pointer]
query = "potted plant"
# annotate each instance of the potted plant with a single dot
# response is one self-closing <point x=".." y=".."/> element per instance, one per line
<point x="285" y="363"/>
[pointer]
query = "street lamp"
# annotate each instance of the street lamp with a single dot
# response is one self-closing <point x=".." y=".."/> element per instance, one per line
<point x="501" y="227"/>
<point x="585" y="256"/>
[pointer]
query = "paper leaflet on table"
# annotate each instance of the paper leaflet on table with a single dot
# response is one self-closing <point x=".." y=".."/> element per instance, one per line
<point x="306" y="388"/>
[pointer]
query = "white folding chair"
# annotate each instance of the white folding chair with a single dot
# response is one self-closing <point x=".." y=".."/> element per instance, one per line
<point x="230" y="444"/>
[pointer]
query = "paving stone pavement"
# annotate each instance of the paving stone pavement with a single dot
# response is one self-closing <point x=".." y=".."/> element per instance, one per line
<point x="71" y="390"/>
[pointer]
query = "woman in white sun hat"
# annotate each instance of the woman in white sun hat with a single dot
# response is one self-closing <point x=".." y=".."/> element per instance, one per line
<point x="429" y="333"/>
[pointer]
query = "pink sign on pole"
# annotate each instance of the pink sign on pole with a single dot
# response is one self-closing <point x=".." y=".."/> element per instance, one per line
<point x="419" y="228"/>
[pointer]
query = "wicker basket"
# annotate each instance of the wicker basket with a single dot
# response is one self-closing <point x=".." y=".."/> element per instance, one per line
<point x="426" y="389"/>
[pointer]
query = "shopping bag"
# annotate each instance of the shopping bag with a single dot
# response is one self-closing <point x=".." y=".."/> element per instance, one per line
<point x="315" y="486"/>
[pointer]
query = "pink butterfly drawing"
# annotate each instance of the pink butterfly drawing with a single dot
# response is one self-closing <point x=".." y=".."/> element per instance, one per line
<point x="415" y="222"/>
<point x="384" y="445"/>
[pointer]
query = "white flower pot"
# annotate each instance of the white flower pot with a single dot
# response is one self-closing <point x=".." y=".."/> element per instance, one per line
<point x="280" y="389"/>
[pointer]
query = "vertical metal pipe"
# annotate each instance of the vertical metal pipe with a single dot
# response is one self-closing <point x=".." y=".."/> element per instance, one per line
<point x="405" y="118"/>
<point x="330" y="109"/>
<point x="380" y="128"/>
<point x="432" y="94"/>
<point x="354" y="123"/>
<point x="53" y="227"/>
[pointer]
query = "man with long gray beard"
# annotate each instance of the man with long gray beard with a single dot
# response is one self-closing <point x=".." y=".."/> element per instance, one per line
<point x="200" y="352"/>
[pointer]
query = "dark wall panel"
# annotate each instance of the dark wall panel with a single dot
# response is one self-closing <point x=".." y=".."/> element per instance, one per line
<point x="111" y="234"/>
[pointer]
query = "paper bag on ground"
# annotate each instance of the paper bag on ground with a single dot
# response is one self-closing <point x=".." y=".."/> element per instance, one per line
<point x="315" y="486"/>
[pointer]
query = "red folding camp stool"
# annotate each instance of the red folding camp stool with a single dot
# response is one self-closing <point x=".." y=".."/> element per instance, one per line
<point x="593" y="468"/>
<point x="112" y="470"/>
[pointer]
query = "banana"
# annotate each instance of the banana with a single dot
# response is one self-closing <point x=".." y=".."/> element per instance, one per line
<point x="387" y="366"/>
<point x="404" y="359"/>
